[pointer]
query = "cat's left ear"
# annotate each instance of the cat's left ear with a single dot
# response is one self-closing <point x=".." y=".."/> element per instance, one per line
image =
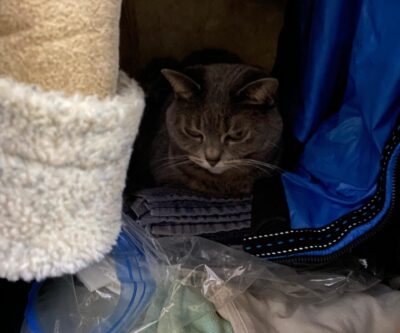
<point x="261" y="91"/>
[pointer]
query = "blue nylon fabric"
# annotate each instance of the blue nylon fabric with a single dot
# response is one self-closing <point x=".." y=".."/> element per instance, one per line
<point x="354" y="234"/>
<point x="350" y="49"/>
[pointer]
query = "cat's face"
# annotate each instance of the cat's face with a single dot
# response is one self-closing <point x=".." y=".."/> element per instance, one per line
<point x="223" y="117"/>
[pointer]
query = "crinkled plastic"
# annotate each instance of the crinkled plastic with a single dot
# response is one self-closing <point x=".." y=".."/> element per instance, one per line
<point x="122" y="288"/>
<point x="221" y="274"/>
<point x="177" y="284"/>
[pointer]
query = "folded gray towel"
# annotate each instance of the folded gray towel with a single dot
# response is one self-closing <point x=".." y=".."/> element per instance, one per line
<point x="197" y="229"/>
<point x="169" y="211"/>
<point x="148" y="218"/>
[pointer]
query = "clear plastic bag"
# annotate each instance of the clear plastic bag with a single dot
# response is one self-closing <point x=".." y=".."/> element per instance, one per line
<point x="184" y="284"/>
<point x="222" y="274"/>
<point x="106" y="297"/>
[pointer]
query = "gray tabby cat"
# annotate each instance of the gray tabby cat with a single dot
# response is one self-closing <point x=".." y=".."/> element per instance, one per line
<point x="221" y="130"/>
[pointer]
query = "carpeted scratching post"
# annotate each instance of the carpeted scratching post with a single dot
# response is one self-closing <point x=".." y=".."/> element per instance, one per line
<point x="68" y="120"/>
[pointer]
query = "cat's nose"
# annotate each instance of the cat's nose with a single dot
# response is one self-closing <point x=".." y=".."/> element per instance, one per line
<point x="212" y="162"/>
<point x="213" y="156"/>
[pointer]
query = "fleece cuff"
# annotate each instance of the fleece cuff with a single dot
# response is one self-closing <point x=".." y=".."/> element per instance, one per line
<point x="63" y="163"/>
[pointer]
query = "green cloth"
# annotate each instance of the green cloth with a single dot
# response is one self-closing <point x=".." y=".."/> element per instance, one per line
<point x="183" y="309"/>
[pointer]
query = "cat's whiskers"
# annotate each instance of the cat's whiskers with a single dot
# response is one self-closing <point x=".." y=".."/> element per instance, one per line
<point x="265" y="170"/>
<point x="235" y="166"/>
<point x="275" y="127"/>
<point x="262" y="166"/>
<point x="266" y="164"/>
<point x="176" y="157"/>
<point x="178" y="160"/>
<point x="274" y="145"/>
<point x="171" y="164"/>
<point x="195" y="159"/>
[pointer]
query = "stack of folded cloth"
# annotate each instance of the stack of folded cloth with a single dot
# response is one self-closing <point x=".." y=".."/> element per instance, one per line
<point x="170" y="212"/>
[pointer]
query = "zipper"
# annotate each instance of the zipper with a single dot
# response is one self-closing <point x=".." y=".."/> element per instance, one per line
<point x="313" y="259"/>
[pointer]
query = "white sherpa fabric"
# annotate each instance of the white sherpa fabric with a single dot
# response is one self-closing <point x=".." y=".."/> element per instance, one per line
<point x="63" y="162"/>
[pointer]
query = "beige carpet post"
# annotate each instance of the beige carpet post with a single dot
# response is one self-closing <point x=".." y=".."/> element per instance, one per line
<point x="68" y="45"/>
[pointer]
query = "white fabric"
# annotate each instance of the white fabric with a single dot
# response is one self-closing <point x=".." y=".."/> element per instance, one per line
<point x="375" y="311"/>
<point x="63" y="163"/>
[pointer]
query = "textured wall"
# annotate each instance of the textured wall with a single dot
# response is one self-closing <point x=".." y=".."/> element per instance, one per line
<point x="175" y="28"/>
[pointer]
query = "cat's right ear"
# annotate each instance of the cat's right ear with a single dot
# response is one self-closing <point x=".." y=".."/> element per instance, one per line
<point x="183" y="85"/>
<point x="260" y="91"/>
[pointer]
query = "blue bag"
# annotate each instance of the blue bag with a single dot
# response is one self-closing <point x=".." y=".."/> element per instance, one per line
<point x="340" y="80"/>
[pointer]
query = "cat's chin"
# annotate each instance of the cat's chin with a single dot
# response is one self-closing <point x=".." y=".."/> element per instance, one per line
<point x="216" y="171"/>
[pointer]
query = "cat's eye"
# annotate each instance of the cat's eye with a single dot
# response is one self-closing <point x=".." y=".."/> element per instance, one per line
<point x="235" y="136"/>
<point x="195" y="134"/>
